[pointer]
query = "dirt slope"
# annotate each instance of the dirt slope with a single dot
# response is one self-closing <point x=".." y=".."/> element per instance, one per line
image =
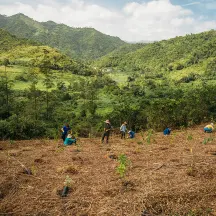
<point x="171" y="175"/>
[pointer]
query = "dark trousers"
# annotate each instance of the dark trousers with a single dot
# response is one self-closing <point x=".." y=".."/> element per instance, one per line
<point x="105" y="134"/>
<point x="122" y="135"/>
<point x="64" y="136"/>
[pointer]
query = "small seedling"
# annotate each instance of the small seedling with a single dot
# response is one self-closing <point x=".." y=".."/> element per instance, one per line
<point x="78" y="147"/>
<point x="11" y="141"/>
<point x="190" y="137"/>
<point x="149" y="136"/>
<point x="206" y="140"/>
<point x="67" y="181"/>
<point x="33" y="170"/>
<point x="67" y="185"/>
<point x="124" y="162"/>
<point x="191" y="171"/>
<point x="60" y="149"/>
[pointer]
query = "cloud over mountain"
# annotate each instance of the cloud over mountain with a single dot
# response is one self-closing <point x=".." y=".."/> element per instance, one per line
<point x="152" y="20"/>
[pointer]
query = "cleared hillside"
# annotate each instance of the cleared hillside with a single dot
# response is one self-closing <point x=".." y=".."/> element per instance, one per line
<point x="173" y="175"/>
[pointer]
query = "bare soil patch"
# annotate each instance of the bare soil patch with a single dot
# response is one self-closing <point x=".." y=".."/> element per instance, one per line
<point x="171" y="175"/>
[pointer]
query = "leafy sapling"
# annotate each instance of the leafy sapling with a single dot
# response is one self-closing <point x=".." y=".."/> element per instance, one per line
<point x="67" y="185"/>
<point x="149" y="136"/>
<point x="124" y="162"/>
<point x="206" y="140"/>
<point x="190" y="137"/>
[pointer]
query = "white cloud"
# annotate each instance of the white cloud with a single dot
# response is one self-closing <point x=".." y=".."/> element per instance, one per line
<point x="155" y="20"/>
<point x="192" y="3"/>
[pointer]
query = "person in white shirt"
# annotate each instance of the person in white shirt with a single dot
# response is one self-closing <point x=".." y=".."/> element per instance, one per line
<point x="123" y="130"/>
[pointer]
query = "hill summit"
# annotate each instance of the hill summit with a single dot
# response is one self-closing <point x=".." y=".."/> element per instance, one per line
<point x="85" y="43"/>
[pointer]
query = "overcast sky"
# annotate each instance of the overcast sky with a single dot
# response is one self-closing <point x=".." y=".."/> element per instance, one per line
<point x="131" y="20"/>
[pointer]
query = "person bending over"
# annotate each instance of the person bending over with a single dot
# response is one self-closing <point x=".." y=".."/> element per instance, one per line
<point x="167" y="131"/>
<point x="70" y="140"/>
<point x="209" y="128"/>
<point x="131" y="134"/>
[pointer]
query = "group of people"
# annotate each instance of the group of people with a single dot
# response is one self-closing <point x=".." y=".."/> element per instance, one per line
<point x="67" y="136"/>
<point x="123" y="129"/>
<point x="69" y="139"/>
<point x="207" y="129"/>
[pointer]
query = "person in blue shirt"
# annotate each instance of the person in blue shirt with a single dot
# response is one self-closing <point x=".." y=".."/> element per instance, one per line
<point x="69" y="140"/>
<point x="123" y="129"/>
<point x="131" y="134"/>
<point x="167" y="131"/>
<point x="65" y="130"/>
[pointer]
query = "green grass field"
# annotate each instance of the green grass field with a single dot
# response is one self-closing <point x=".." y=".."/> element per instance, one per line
<point x="13" y="72"/>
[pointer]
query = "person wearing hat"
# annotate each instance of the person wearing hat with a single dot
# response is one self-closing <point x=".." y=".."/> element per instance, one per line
<point x="209" y="128"/>
<point x="107" y="128"/>
<point x="123" y="129"/>
<point x="69" y="140"/>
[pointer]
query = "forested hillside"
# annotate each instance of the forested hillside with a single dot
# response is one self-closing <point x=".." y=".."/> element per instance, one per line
<point x="8" y="41"/>
<point x="40" y="86"/>
<point x="23" y="52"/>
<point x="83" y="43"/>
<point x="168" y="55"/>
<point x="168" y="83"/>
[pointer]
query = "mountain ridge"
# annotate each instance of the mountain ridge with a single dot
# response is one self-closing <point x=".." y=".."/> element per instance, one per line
<point x="166" y="55"/>
<point x="84" y="43"/>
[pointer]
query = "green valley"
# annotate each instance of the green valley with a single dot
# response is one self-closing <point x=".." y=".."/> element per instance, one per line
<point x="151" y="86"/>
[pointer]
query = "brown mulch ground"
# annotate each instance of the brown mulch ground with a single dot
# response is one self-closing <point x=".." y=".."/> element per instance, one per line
<point x="171" y="175"/>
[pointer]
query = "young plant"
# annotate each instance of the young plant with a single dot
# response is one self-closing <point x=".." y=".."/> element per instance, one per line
<point x="67" y="185"/>
<point x="78" y="147"/>
<point x="60" y="149"/>
<point x="142" y="135"/>
<point x="11" y="141"/>
<point x="33" y="170"/>
<point x="67" y="181"/>
<point x="149" y="136"/>
<point x="124" y="162"/>
<point x="190" y="137"/>
<point x="206" y="140"/>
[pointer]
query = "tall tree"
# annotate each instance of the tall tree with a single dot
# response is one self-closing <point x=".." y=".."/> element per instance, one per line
<point x="48" y="82"/>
